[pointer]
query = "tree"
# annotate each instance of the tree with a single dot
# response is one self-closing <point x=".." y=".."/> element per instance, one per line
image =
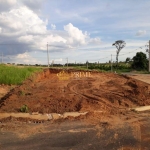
<point x="119" y="45"/>
<point x="140" y="61"/>
<point x="128" y="59"/>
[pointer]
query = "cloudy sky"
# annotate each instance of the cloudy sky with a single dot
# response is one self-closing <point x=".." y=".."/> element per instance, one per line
<point x="78" y="30"/>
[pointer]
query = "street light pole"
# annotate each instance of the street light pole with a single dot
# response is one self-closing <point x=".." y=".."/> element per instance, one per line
<point x="47" y="55"/>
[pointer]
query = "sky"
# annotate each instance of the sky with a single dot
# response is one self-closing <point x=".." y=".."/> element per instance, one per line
<point x="79" y="31"/>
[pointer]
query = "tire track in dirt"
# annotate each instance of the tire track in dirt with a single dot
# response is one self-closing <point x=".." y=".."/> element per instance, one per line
<point x="91" y="97"/>
<point x="121" y="95"/>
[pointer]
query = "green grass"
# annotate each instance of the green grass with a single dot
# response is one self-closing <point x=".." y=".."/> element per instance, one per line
<point x="122" y="70"/>
<point x="15" y="75"/>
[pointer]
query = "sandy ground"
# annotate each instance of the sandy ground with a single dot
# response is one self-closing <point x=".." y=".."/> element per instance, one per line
<point x="106" y="96"/>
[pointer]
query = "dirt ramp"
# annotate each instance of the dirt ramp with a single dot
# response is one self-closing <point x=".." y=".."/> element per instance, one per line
<point x="46" y="93"/>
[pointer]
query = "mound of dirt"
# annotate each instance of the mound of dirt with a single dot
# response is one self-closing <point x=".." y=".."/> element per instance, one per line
<point x="46" y="92"/>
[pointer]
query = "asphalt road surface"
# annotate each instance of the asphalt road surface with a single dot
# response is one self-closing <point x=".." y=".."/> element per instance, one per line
<point x="76" y="135"/>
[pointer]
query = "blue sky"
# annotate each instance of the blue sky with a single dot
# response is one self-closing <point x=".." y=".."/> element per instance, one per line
<point x="78" y="30"/>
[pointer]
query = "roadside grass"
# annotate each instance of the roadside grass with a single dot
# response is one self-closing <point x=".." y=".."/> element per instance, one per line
<point x="13" y="75"/>
<point x="141" y="72"/>
<point x="122" y="70"/>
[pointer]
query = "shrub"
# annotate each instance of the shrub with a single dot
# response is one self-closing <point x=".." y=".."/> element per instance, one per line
<point x="24" y="109"/>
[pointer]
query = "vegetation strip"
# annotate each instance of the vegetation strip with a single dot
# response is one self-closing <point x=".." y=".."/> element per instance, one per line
<point x="15" y="75"/>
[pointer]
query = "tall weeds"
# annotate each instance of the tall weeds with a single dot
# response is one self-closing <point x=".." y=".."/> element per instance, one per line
<point x="15" y="75"/>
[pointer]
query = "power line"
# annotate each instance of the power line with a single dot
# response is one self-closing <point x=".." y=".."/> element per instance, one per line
<point x="141" y="47"/>
<point x="121" y="54"/>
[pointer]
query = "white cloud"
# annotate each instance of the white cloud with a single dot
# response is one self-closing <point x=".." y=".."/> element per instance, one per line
<point x="141" y="33"/>
<point x="34" y="5"/>
<point x="96" y="40"/>
<point x="26" y="39"/>
<point x="76" y="36"/>
<point x="9" y="2"/>
<point x="24" y="26"/>
<point x="25" y="21"/>
<point x="58" y="60"/>
<point x="6" y="4"/>
<point x="41" y="42"/>
<point x="53" y="26"/>
<point x="25" y="58"/>
<point x="30" y="29"/>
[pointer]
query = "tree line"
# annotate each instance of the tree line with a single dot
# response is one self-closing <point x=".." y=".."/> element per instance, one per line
<point x="138" y="62"/>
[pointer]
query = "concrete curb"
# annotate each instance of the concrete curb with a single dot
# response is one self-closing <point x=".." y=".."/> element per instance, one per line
<point x="45" y="117"/>
<point x="142" y="108"/>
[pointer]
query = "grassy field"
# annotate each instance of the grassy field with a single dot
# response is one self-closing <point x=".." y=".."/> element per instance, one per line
<point x="15" y="75"/>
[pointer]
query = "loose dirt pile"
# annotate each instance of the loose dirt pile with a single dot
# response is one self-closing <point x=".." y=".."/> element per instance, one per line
<point x="47" y="93"/>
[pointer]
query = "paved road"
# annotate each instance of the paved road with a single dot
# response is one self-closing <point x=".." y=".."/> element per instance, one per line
<point x="76" y="135"/>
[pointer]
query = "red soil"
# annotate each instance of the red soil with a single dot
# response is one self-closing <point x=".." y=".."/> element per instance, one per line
<point x="46" y="93"/>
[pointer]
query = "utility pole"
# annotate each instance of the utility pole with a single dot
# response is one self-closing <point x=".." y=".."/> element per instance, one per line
<point x="47" y="55"/>
<point x="111" y="62"/>
<point x="1" y="57"/>
<point x="149" y="56"/>
<point x="87" y="64"/>
<point x="52" y="63"/>
<point x="67" y="62"/>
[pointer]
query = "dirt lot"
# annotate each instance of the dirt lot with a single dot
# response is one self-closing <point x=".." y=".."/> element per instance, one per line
<point x="46" y="93"/>
<point x="106" y="96"/>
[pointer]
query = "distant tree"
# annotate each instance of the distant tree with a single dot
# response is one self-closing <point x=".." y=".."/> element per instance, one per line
<point x="87" y="62"/>
<point x="119" y="45"/>
<point x="128" y="59"/>
<point x="140" y="61"/>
